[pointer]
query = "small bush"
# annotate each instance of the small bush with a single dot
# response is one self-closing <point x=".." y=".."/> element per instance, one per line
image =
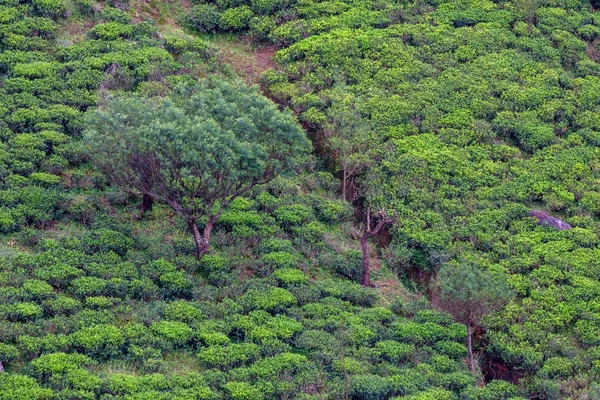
<point x="230" y="356"/>
<point x="235" y="19"/>
<point x="290" y="276"/>
<point x="369" y="387"/>
<point x="272" y="299"/>
<point x="204" y="18"/>
<point x="105" y="240"/>
<point x="101" y="340"/>
<point x="175" y="332"/>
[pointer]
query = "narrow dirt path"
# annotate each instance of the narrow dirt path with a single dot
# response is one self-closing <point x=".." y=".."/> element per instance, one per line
<point x="249" y="60"/>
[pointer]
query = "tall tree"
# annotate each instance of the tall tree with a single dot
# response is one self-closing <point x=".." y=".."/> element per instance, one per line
<point x="348" y="137"/>
<point x="468" y="292"/>
<point x="195" y="150"/>
<point x="528" y="9"/>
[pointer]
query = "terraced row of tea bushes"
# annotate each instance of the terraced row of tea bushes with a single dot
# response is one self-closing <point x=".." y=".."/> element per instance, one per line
<point x="286" y="22"/>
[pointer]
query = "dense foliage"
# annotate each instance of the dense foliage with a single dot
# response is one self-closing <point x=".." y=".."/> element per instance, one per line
<point x="459" y="115"/>
<point x="479" y="111"/>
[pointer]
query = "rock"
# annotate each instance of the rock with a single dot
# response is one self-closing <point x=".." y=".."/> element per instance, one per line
<point x="546" y="219"/>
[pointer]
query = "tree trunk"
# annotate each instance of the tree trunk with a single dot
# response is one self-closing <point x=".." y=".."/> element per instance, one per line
<point x="346" y="385"/>
<point x="470" y="347"/>
<point x="364" y="244"/>
<point x="206" y="234"/>
<point x="344" y="179"/>
<point x="147" y="203"/>
<point x="202" y="241"/>
<point x="366" y="275"/>
<point x="1" y="367"/>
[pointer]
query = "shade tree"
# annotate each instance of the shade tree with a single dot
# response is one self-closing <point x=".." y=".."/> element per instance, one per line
<point x="469" y="292"/>
<point x="196" y="150"/>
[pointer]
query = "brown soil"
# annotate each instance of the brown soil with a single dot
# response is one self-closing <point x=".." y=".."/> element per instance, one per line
<point x="249" y="61"/>
<point x="144" y="9"/>
<point x="495" y="368"/>
<point x="592" y="50"/>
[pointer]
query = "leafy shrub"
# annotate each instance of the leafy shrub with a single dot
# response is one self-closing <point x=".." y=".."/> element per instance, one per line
<point x="101" y="340"/>
<point x="47" y="7"/>
<point x="347" y="263"/>
<point x="21" y="387"/>
<point x="393" y="351"/>
<point x="271" y="299"/>
<point x="333" y="210"/>
<point x="290" y="276"/>
<point x="176" y="332"/>
<point x="176" y="284"/>
<point x="279" y="259"/>
<point x="8" y="353"/>
<point x="205" y="17"/>
<point x="57" y="273"/>
<point x="111" y="31"/>
<point x="24" y="311"/>
<point x="451" y="349"/>
<point x="369" y="387"/>
<point x="122" y="384"/>
<point x="229" y="356"/>
<point x="182" y="311"/>
<point x="37" y="290"/>
<point x="88" y="286"/>
<point x="105" y="240"/>
<point x="242" y="391"/>
<point x="235" y="19"/>
<point x="62" y="305"/>
<point x="155" y="269"/>
<point x="99" y="302"/>
<point x="293" y="215"/>
<point x="273" y="245"/>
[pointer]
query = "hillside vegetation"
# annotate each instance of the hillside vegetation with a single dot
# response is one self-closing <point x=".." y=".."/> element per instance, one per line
<point x="439" y="125"/>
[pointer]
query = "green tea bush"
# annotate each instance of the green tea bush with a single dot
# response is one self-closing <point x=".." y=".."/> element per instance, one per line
<point x="369" y="387"/>
<point x="62" y="305"/>
<point x="101" y="302"/>
<point x="175" y="332"/>
<point x="48" y="7"/>
<point x="290" y="276"/>
<point x="204" y="18"/>
<point x="393" y="351"/>
<point x="242" y="391"/>
<point x="22" y="387"/>
<point x="279" y="259"/>
<point x="229" y="356"/>
<point x="111" y="31"/>
<point x="103" y="341"/>
<point x="177" y="284"/>
<point x="106" y="240"/>
<point x="293" y="215"/>
<point x="37" y="290"/>
<point x="23" y="311"/>
<point x="270" y="299"/>
<point x="88" y="286"/>
<point x="58" y="363"/>
<point x="235" y="19"/>
<point x="8" y="353"/>
<point x="182" y="311"/>
<point x="347" y="264"/>
<point x="155" y="269"/>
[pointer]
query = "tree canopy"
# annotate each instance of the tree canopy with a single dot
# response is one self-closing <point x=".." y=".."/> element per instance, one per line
<point x="195" y="150"/>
